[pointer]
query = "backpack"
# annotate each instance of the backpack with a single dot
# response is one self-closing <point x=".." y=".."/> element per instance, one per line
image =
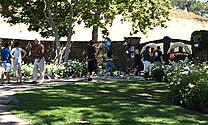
<point x="172" y="56"/>
<point x="156" y="54"/>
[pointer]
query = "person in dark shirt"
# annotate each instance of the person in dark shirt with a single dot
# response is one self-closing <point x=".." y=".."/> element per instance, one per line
<point x="92" y="63"/>
<point x="109" y="62"/>
<point x="137" y="61"/>
<point x="157" y="56"/>
<point x="146" y="58"/>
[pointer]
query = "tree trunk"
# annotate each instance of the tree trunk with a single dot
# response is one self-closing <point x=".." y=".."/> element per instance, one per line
<point x="95" y="28"/>
<point x="58" y="48"/>
<point x="5" y="8"/>
<point x="95" y="33"/>
<point x="49" y="18"/>
<point x="68" y="43"/>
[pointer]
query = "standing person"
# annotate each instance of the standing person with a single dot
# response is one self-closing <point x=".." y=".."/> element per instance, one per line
<point x="17" y="56"/>
<point x="146" y="58"/>
<point x="137" y="62"/>
<point x="109" y="62"/>
<point x="172" y="56"/>
<point x="6" y="62"/>
<point x="157" y="56"/>
<point x="91" y="60"/>
<point x="39" y="61"/>
<point x="107" y="44"/>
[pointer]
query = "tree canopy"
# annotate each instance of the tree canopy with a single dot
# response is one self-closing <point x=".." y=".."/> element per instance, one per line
<point x="143" y="14"/>
<point x="195" y="6"/>
<point x="58" y="17"/>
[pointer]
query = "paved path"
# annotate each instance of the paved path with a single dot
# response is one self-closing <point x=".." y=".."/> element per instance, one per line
<point x="7" y="90"/>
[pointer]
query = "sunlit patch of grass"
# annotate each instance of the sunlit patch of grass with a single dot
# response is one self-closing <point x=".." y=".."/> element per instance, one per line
<point x="115" y="103"/>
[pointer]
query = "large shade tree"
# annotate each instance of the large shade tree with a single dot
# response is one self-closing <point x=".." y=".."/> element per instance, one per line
<point x="144" y="14"/>
<point x="58" y="17"/>
<point x="54" y="18"/>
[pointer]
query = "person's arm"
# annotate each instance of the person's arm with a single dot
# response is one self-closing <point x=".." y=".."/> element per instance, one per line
<point x="41" y="53"/>
<point x="24" y="53"/>
<point x="162" y="59"/>
<point x="12" y="53"/>
<point x="94" y="50"/>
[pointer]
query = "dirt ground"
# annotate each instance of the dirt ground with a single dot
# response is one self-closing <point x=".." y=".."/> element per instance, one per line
<point x="178" y="13"/>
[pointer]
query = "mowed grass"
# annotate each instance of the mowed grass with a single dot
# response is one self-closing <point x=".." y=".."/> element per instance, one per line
<point x="114" y="103"/>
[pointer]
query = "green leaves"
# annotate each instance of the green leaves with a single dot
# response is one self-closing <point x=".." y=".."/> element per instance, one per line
<point x="144" y="14"/>
<point x="200" y="8"/>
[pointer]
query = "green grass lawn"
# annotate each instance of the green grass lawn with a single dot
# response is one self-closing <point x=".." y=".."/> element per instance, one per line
<point x="115" y="103"/>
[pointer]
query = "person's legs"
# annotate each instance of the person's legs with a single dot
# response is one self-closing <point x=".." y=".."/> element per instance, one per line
<point x="41" y="66"/>
<point x="93" y="74"/>
<point x="136" y="71"/>
<point x="2" y="77"/>
<point x="35" y="70"/>
<point x="20" y="75"/>
<point x="8" y="76"/>
<point x="19" y="71"/>
<point x="3" y="71"/>
<point x="17" y="75"/>
<point x="90" y="70"/>
<point x="107" y="68"/>
<point x="8" y="69"/>
<point x="111" y="68"/>
<point x="88" y="74"/>
<point x="94" y="68"/>
<point x="15" y="68"/>
<point x="146" y="64"/>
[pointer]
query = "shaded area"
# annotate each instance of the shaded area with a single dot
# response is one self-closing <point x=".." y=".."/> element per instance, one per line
<point x="119" y="103"/>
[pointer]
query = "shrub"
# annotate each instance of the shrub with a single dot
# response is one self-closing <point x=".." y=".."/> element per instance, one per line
<point x="154" y="72"/>
<point x="189" y="86"/>
<point x="158" y="74"/>
<point x="27" y="70"/>
<point x="65" y="70"/>
<point x="72" y="68"/>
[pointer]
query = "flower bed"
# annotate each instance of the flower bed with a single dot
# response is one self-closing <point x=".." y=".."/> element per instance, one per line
<point x="188" y="84"/>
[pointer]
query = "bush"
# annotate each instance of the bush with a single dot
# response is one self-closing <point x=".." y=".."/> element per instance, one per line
<point x="65" y="70"/>
<point x="158" y="74"/>
<point x="154" y="72"/>
<point x="189" y="86"/>
<point x="72" y="68"/>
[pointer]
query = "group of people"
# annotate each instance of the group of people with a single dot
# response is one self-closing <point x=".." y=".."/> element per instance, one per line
<point x="17" y="54"/>
<point x="148" y="58"/>
<point x="92" y="61"/>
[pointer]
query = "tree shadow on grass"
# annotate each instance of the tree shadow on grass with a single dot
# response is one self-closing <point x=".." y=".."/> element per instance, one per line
<point x="119" y="103"/>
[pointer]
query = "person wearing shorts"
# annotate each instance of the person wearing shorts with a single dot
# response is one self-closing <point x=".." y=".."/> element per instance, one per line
<point x="6" y="62"/>
<point x="92" y="63"/>
<point x="17" y="56"/>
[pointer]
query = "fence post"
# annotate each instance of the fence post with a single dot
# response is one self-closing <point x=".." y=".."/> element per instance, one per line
<point x="166" y="46"/>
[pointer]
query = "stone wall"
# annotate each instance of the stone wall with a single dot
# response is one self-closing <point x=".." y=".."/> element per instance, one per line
<point x="78" y="51"/>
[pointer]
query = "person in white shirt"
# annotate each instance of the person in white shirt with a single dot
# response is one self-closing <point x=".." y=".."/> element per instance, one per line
<point x="17" y="56"/>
